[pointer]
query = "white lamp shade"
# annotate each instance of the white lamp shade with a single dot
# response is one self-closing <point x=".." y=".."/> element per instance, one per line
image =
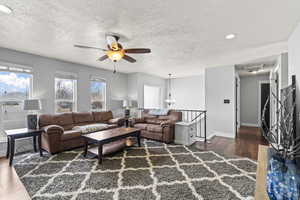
<point x="32" y="104"/>
<point x="127" y="103"/>
<point x="170" y="101"/>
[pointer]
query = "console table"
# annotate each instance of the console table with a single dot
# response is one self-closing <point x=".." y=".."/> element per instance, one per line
<point x="14" y="134"/>
<point x="261" y="174"/>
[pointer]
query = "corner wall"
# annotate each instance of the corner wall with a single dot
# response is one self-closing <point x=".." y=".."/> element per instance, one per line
<point x="189" y="92"/>
<point x="294" y="66"/>
<point x="220" y="85"/>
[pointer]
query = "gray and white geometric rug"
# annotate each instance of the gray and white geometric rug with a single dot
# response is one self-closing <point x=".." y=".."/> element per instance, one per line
<point x="152" y="172"/>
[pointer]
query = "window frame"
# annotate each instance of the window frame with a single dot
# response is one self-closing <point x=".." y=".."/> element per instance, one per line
<point x="19" y="69"/>
<point x="74" y="109"/>
<point x="105" y="93"/>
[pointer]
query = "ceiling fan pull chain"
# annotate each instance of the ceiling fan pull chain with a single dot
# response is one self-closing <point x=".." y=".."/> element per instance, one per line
<point x="114" y="68"/>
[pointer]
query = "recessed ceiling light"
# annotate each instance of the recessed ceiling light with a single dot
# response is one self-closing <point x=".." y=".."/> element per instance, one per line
<point x="230" y="36"/>
<point x="5" y="9"/>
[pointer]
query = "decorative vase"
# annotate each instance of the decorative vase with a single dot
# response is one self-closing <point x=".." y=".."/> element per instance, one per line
<point x="283" y="178"/>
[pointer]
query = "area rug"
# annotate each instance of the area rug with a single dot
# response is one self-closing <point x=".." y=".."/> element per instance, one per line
<point x="151" y="172"/>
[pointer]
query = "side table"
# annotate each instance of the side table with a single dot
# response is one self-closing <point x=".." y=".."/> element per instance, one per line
<point x="14" y="134"/>
<point x="185" y="133"/>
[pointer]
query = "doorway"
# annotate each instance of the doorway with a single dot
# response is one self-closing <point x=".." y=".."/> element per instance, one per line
<point x="264" y="104"/>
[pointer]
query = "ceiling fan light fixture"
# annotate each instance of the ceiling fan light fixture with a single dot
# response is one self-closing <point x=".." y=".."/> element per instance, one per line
<point x="230" y="36"/>
<point x="5" y="9"/>
<point x="115" y="55"/>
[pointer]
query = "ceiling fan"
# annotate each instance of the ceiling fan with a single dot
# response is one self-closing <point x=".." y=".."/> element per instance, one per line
<point x="115" y="51"/>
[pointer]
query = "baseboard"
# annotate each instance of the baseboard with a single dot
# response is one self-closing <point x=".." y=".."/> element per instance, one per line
<point x="249" y="124"/>
<point x="196" y="139"/>
<point x="221" y="134"/>
<point x="227" y="135"/>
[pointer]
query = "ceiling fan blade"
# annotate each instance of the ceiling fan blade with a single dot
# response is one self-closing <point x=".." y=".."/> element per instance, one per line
<point x="129" y="59"/>
<point x="87" y="47"/>
<point x="103" y="58"/>
<point x="138" y="50"/>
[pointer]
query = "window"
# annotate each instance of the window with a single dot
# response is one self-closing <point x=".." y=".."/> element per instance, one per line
<point x="65" y="94"/>
<point x="15" y="87"/>
<point x="152" y="97"/>
<point x="98" y="94"/>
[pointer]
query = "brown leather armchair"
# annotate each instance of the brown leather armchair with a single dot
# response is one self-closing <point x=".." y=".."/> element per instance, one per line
<point x="161" y="128"/>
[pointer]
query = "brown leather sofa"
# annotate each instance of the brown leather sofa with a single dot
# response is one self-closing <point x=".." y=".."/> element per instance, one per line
<point x="159" y="128"/>
<point x="58" y="133"/>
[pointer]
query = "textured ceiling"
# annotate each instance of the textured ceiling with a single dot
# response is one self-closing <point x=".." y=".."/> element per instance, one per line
<point x="185" y="36"/>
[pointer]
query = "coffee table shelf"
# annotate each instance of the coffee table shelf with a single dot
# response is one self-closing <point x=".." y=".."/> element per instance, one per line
<point x="105" y="140"/>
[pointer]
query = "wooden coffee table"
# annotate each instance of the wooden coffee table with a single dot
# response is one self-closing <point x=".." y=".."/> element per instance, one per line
<point x="108" y="136"/>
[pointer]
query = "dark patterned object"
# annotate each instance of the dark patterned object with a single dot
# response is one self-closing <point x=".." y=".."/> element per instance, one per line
<point x="283" y="179"/>
<point x="154" y="171"/>
<point x="32" y="121"/>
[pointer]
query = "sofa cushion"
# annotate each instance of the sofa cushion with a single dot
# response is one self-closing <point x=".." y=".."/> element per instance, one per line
<point x="110" y="126"/>
<point x="141" y="126"/>
<point x="91" y="128"/>
<point x="45" y="120"/>
<point x="172" y="115"/>
<point x="68" y="127"/>
<point x="151" y="120"/>
<point x="71" y="134"/>
<point x="154" y="128"/>
<point x="155" y="121"/>
<point x="102" y="117"/>
<point x="160" y="112"/>
<point x="83" y="117"/>
<point x="145" y="114"/>
<point x="152" y="135"/>
<point x="63" y="119"/>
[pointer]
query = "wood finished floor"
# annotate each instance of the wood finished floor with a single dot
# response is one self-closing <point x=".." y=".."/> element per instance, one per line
<point x="245" y="145"/>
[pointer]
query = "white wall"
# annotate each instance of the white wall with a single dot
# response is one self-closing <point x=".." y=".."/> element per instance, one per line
<point x="283" y="70"/>
<point x="43" y="80"/>
<point x="189" y="92"/>
<point x="250" y="98"/>
<point x="220" y="85"/>
<point x="294" y="66"/>
<point x="136" y="82"/>
<point x="132" y="85"/>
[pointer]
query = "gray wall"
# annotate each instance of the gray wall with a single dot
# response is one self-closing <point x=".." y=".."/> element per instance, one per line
<point x="249" y="88"/>
<point x="189" y="92"/>
<point x="220" y="85"/>
<point x="43" y="80"/>
<point x="294" y="66"/>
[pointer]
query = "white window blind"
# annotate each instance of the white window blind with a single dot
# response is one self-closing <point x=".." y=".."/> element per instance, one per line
<point x="152" y="97"/>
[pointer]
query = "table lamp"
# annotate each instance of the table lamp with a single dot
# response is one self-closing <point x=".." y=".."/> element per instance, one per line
<point x="32" y="105"/>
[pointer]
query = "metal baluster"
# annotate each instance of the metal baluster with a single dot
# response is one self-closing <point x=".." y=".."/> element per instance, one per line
<point x="205" y="126"/>
<point x="200" y="121"/>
